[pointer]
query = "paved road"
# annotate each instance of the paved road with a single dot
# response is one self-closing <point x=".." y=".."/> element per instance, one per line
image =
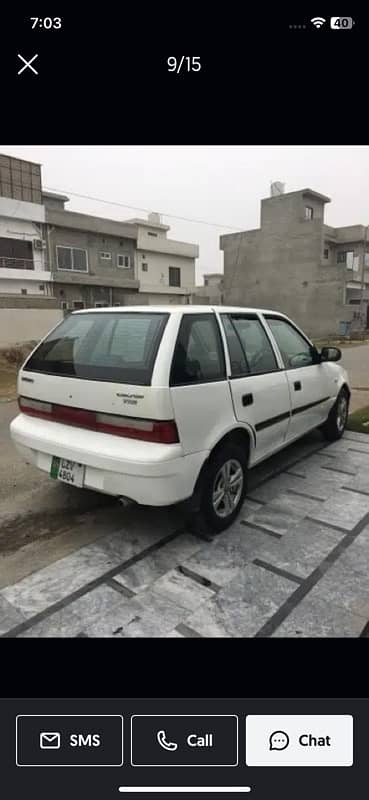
<point x="294" y="564"/>
<point x="356" y="361"/>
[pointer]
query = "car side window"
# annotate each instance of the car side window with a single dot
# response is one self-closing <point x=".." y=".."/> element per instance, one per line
<point x="239" y="365"/>
<point x="294" y="349"/>
<point x="198" y="355"/>
<point x="258" y="355"/>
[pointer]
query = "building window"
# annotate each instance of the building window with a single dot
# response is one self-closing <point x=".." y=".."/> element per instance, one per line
<point x="350" y="259"/>
<point x="72" y="258"/>
<point x="309" y="212"/>
<point x="41" y="288"/>
<point x="15" y="253"/>
<point x="23" y="291"/>
<point x="150" y="233"/>
<point x="64" y="305"/>
<point x="174" y="276"/>
<point x="341" y="257"/>
<point x="123" y="261"/>
<point x="78" y="304"/>
<point x="105" y="256"/>
<point x="101" y="305"/>
<point x="326" y="252"/>
<point x="206" y="281"/>
<point x="144" y="267"/>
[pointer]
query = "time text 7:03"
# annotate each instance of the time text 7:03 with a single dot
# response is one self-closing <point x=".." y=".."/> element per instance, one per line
<point x="183" y="64"/>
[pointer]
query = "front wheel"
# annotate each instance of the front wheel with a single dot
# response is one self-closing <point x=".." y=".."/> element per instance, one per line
<point x="223" y="490"/>
<point x="335" y="424"/>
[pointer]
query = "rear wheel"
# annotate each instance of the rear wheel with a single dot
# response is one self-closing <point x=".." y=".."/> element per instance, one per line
<point x="223" y="489"/>
<point x="335" y="424"/>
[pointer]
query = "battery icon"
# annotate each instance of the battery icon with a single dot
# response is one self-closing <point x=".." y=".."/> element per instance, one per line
<point x="341" y="23"/>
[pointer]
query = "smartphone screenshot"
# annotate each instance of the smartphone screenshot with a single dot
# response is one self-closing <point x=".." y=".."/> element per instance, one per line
<point x="184" y="402"/>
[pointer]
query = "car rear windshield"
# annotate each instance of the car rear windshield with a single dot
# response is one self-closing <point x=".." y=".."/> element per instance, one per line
<point x="113" y="346"/>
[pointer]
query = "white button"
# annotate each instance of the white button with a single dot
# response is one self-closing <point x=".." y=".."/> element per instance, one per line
<point x="293" y="740"/>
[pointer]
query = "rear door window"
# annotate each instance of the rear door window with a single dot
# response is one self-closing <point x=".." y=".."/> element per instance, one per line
<point x="198" y="355"/>
<point x="249" y="347"/>
<point x="118" y="347"/>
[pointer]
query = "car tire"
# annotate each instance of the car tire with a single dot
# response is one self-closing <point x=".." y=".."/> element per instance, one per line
<point x="335" y="423"/>
<point x="222" y="491"/>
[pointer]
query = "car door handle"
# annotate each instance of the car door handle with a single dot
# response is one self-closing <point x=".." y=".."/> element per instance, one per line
<point x="297" y="386"/>
<point x="247" y="399"/>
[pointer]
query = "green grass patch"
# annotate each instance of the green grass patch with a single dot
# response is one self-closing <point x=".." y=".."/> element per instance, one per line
<point x="359" y="420"/>
<point x="341" y="343"/>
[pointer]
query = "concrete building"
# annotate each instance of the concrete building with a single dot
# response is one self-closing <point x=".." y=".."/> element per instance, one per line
<point x="24" y="266"/>
<point x="212" y="290"/>
<point x="165" y="267"/>
<point x="294" y="263"/>
<point x="83" y="260"/>
<point x="92" y="259"/>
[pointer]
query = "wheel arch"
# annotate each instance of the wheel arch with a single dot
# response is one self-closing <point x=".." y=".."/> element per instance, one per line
<point x="239" y="435"/>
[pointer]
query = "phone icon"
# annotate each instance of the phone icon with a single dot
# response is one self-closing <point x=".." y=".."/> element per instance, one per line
<point x="162" y="739"/>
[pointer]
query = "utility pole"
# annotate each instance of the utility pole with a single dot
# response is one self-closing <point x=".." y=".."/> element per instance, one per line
<point x="363" y="277"/>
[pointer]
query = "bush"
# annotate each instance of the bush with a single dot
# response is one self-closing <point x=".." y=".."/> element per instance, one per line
<point x="15" y="355"/>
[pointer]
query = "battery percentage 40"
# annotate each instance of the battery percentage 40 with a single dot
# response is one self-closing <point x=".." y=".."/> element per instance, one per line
<point x="341" y="23"/>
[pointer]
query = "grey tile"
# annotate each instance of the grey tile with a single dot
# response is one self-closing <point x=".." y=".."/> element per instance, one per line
<point x="144" y="572"/>
<point x="359" y="482"/>
<point x="220" y="561"/>
<point x="320" y="619"/>
<point x="55" y="582"/>
<point x="243" y="606"/>
<point x="182" y="590"/>
<point x="248" y="507"/>
<point x="150" y="616"/>
<point x="344" y="509"/>
<point x="356" y="557"/>
<point x="296" y="504"/>
<point x="275" y="519"/>
<point x="344" y="445"/>
<point x="354" y="436"/>
<point x="314" y="466"/>
<point x="350" y="590"/>
<point x="281" y="483"/>
<point x="75" y="617"/>
<point x="302" y="550"/>
<point x="9" y="616"/>
<point x="122" y="545"/>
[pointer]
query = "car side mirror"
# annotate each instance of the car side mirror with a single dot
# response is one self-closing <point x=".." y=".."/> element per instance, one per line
<point x="331" y="354"/>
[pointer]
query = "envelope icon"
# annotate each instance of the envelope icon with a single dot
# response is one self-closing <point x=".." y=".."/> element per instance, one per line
<point x="49" y="741"/>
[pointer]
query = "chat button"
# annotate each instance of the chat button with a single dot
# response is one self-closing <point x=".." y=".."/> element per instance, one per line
<point x="293" y="740"/>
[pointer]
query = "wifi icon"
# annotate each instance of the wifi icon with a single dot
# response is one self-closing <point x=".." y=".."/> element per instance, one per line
<point x="318" y="21"/>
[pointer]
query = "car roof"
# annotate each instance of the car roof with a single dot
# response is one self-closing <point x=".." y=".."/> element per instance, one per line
<point x="183" y="309"/>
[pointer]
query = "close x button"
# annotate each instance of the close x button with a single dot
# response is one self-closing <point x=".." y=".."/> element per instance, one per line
<point x="184" y="741"/>
<point x="69" y="741"/>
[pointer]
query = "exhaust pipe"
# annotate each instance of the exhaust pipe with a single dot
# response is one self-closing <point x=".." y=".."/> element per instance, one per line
<point x="126" y="502"/>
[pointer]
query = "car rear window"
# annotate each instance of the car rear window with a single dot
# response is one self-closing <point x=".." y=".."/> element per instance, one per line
<point x="120" y="347"/>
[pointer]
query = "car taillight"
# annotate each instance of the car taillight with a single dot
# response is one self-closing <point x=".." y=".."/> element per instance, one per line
<point x="160" y="431"/>
<point x="35" y="408"/>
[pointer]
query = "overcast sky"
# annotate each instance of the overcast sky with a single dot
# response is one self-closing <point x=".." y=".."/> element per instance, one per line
<point x="221" y="185"/>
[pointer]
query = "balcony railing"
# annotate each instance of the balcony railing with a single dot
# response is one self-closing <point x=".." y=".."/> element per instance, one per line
<point x="16" y="263"/>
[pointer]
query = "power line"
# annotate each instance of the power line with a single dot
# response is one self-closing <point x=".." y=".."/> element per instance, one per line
<point x="137" y="208"/>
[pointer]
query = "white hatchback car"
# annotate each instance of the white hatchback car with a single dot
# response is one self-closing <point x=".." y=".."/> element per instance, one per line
<point x="161" y="404"/>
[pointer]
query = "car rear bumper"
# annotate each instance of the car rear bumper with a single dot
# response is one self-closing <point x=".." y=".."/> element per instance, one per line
<point x="148" y="473"/>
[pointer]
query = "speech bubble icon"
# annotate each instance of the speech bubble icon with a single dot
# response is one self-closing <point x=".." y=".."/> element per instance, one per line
<point x="278" y="740"/>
